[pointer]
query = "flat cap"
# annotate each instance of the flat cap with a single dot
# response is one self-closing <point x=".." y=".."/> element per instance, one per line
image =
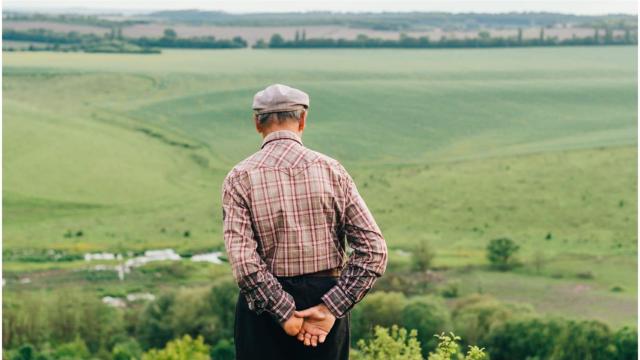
<point x="278" y="98"/>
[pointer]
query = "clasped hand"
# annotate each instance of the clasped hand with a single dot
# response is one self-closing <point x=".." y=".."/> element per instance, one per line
<point x="310" y="326"/>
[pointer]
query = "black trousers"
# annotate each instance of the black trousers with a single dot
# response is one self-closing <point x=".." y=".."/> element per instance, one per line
<point x="262" y="337"/>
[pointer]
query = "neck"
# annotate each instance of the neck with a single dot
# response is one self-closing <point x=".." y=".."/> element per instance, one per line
<point x="273" y="129"/>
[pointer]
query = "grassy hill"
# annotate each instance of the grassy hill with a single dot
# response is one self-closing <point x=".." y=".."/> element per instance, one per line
<point x="453" y="147"/>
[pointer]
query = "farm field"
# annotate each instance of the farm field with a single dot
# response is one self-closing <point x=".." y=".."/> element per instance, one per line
<point x="126" y="153"/>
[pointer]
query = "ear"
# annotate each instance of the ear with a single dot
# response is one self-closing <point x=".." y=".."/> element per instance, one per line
<point x="303" y="121"/>
<point x="257" y="122"/>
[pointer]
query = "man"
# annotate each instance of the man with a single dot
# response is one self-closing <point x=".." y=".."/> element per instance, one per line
<point x="287" y="211"/>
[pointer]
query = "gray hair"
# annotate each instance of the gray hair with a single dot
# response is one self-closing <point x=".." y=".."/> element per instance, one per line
<point x="280" y="117"/>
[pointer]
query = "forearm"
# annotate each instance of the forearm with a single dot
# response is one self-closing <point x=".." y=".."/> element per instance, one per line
<point x="352" y="286"/>
<point x="263" y="292"/>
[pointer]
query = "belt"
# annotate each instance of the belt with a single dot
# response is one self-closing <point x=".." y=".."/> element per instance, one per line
<point x="335" y="272"/>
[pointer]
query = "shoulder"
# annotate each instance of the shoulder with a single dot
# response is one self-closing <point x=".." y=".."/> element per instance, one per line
<point x="334" y="165"/>
<point x="241" y="170"/>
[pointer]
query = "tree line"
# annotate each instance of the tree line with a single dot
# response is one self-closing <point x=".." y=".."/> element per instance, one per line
<point x="114" y="41"/>
<point x="482" y="40"/>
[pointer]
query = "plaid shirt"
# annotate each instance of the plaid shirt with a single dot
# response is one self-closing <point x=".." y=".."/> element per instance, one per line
<point x="287" y="211"/>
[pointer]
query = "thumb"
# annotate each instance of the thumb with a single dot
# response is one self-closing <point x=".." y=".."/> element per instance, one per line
<point x="304" y="313"/>
<point x="310" y="313"/>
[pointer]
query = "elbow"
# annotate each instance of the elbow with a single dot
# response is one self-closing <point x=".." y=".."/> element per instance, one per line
<point x="384" y="257"/>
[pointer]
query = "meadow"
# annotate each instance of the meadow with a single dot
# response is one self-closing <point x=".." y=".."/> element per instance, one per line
<point x="125" y="153"/>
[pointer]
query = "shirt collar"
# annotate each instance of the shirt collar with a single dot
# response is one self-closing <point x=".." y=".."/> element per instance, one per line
<point x="281" y="135"/>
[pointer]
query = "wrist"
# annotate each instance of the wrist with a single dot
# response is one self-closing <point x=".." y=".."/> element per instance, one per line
<point x="326" y="310"/>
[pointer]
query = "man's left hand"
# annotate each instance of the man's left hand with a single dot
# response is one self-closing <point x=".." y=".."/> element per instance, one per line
<point x="318" y="321"/>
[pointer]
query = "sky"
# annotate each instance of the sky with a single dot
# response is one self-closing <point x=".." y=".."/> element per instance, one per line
<point x="584" y="7"/>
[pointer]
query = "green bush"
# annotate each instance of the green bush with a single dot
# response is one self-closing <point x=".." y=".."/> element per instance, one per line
<point x="428" y="315"/>
<point x="379" y="308"/>
<point x="224" y="350"/>
<point x="585" y="340"/>
<point x="475" y="316"/>
<point x="422" y="256"/>
<point x="626" y="343"/>
<point x="501" y="252"/>
<point x="127" y="350"/>
<point x="394" y="344"/>
<point x="448" y="349"/>
<point x="524" y="338"/>
<point x="185" y="348"/>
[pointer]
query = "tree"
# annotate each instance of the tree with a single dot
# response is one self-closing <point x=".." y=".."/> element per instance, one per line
<point x="154" y="327"/>
<point x="626" y="342"/>
<point x="475" y="316"/>
<point x="519" y="35"/>
<point x="223" y="350"/>
<point x="394" y="344"/>
<point x="260" y="44"/>
<point x="222" y="300"/>
<point x="276" y="40"/>
<point x="126" y="350"/>
<point x="500" y="253"/>
<point x="524" y="338"/>
<point x="422" y="256"/>
<point x="428" y="315"/>
<point x="584" y="340"/>
<point x="169" y="33"/>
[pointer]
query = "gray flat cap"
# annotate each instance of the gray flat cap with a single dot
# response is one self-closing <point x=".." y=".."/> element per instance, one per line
<point x="278" y="97"/>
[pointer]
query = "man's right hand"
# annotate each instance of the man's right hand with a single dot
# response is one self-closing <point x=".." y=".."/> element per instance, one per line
<point x="293" y="326"/>
<point x="318" y="321"/>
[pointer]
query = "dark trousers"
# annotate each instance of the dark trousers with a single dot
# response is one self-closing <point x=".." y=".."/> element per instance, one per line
<point x="262" y="337"/>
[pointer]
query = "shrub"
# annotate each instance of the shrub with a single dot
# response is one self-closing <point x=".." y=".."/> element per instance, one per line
<point x="422" y="256"/>
<point x="180" y="349"/>
<point x="127" y="350"/>
<point x="524" y="338"/>
<point x="451" y="289"/>
<point x="224" y="350"/>
<point x="626" y="343"/>
<point x="427" y="315"/>
<point x="380" y="308"/>
<point x="500" y="253"/>
<point x="585" y="340"/>
<point x="75" y="350"/>
<point x="475" y="316"/>
<point x="448" y="349"/>
<point x="394" y="344"/>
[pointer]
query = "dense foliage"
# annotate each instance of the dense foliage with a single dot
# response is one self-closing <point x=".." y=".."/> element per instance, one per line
<point x="75" y="325"/>
<point x="115" y="41"/>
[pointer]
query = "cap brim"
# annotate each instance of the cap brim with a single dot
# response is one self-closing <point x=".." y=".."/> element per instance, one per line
<point x="282" y="109"/>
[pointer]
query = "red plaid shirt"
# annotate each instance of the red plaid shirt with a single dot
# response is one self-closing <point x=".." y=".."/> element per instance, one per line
<point x="287" y="211"/>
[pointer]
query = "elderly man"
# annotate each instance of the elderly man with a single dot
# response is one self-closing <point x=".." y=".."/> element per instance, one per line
<point x="287" y="211"/>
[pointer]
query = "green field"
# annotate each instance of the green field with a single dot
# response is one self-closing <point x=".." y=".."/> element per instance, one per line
<point x="453" y="147"/>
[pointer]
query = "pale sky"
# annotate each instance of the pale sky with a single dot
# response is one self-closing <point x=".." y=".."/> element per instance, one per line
<point x="586" y="7"/>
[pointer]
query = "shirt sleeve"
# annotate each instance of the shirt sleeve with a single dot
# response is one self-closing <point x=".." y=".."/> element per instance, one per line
<point x="368" y="260"/>
<point x="260" y="288"/>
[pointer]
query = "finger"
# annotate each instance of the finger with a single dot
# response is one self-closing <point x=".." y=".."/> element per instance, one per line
<point x="314" y="341"/>
<point x="322" y="338"/>
<point x="303" y="313"/>
<point x="307" y="339"/>
<point x="301" y="335"/>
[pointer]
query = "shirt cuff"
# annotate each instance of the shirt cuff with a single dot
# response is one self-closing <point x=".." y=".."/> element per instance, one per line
<point x="283" y="307"/>
<point x="337" y="301"/>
